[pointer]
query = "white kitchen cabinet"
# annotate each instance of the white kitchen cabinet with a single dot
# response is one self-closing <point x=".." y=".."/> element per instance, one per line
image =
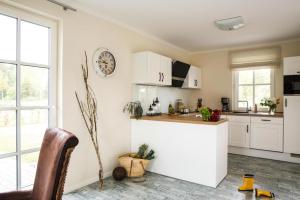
<point x="166" y="70"/>
<point x="291" y="65"/>
<point x="267" y="133"/>
<point x="239" y="131"/>
<point x="291" y="124"/>
<point x="193" y="78"/>
<point x="152" y="69"/>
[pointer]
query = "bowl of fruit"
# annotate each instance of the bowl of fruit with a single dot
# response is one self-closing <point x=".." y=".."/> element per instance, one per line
<point x="215" y="115"/>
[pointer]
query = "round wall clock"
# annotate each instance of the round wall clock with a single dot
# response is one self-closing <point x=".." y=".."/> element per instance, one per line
<point x="104" y="62"/>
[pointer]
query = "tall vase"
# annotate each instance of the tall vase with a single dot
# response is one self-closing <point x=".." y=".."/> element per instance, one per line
<point x="272" y="110"/>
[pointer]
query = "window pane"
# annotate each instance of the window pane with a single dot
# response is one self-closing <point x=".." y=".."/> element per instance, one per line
<point x="262" y="76"/>
<point x="8" y="174"/>
<point x="246" y="77"/>
<point x="8" y="37"/>
<point x="28" y="168"/>
<point x="7" y="132"/>
<point x="34" y="43"/>
<point x="7" y="84"/>
<point x="34" y="86"/>
<point x="262" y="91"/>
<point x="33" y="126"/>
<point x="245" y="94"/>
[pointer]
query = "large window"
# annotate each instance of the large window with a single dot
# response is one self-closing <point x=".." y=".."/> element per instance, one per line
<point x="252" y="85"/>
<point x="27" y="94"/>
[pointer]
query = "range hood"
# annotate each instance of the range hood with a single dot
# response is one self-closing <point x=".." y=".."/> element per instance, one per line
<point x="179" y="73"/>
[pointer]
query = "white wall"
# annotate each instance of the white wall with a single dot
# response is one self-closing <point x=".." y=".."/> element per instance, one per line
<point x="81" y="31"/>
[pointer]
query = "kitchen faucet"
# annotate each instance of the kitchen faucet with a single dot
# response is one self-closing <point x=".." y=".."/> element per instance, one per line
<point x="247" y="108"/>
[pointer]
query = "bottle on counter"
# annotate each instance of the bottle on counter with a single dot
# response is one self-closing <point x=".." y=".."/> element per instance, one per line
<point x="199" y="104"/>
<point x="171" y="110"/>
<point x="178" y="105"/>
<point x="154" y="107"/>
<point x="158" y="108"/>
<point x="150" y="110"/>
<point x="255" y="108"/>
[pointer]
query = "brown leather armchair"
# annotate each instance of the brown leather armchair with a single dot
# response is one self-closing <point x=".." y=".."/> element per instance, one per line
<point x="52" y="167"/>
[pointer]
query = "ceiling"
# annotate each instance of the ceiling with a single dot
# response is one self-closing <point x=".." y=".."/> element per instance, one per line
<point x="189" y="24"/>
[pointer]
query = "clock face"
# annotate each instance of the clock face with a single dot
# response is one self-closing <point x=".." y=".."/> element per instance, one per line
<point x="104" y="62"/>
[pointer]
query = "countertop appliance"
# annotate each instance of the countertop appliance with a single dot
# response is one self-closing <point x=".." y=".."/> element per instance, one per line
<point x="291" y="72"/>
<point x="291" y="84"/>
<point x="225" y="104"/>
<point x="291" y="69"/>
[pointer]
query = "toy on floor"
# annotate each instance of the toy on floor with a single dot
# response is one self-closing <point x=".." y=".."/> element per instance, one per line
<point x="248" y="182"/>
<point x="264" y="193"/>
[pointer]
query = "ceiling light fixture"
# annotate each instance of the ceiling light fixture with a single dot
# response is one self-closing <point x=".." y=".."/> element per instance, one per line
<point x="230" y="24"/>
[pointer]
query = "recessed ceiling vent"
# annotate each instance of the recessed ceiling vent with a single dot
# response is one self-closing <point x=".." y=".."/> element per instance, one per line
<point x="230" y="24"/>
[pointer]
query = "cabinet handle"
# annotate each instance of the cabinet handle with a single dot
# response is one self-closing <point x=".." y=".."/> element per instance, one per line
<point x="247" y="128"/>
<point x="285" y="102"/>
<point x="159" y="77"/>
<point x="298" y="72"/>
<point x="266" y="120"/>
<point x="163" y="77"/>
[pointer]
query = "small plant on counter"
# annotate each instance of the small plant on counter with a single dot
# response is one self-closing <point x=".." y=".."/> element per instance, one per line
<point x="271" y="103"/>
<point x="134" y="109"/>
<point x="206" y="113"/>
<point x="209" y="114"/>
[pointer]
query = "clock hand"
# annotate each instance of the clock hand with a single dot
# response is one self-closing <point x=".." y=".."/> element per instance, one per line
<point x="103" y="62"/>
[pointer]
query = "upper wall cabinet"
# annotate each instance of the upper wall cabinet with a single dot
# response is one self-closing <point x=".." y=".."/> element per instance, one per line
<point x="291" y="65"/>
<point x="152" y="69"/>
<point x="193" y="78"/>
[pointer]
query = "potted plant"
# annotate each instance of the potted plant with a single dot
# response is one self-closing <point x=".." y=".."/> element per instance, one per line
<point x="271" y="103"/>
<point x="209" y="114"/>
<point x="136" y="163"/>
<point x="134" y="109"/>
<point x="206" y="113"/>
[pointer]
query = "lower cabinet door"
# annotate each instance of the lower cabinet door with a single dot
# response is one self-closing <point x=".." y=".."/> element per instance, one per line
<point x="267" y="136"/>
<point x="239" y="134"/>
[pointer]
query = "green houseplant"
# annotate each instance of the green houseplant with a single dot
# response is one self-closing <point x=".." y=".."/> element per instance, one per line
<point x="271" y="103"/>
<point x="206" y="113"/>
<point x="134" y="109"/>
<point x="136" y="163"/>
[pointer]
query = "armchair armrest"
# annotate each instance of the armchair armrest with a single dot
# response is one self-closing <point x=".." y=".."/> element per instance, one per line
<point x="16" y="195"/>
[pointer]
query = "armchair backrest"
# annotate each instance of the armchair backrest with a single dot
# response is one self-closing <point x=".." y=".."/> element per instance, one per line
<point x="56" y="149"/>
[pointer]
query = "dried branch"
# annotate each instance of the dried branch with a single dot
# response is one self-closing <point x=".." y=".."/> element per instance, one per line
<point x="88" y="111"/>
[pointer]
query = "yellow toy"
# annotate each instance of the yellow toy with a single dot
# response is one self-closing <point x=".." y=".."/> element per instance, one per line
<point x="264" y="193"/>
<point x="248" y="182"/>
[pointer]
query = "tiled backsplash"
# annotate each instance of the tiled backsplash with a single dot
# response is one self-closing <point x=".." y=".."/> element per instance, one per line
<point x="166" y="95"/>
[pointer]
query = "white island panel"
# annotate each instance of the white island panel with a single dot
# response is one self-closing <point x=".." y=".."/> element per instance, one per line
<point x="191" y="152"/>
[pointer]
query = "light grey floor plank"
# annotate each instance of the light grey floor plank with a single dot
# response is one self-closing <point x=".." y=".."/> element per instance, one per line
<point x="282" y="178"/>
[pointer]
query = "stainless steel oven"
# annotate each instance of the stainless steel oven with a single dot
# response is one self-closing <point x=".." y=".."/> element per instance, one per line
<point x="291" y="85"/>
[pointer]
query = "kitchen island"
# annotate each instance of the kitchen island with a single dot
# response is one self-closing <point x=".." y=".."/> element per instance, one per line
<point x="186" y="147"/>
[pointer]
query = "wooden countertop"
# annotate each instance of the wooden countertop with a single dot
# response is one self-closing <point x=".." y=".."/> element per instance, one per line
<point x="258" y="114"/>
<point x="186" y="118"/>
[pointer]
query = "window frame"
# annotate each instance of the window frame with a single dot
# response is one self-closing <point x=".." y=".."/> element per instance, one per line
<point x="236" y="87"/>
<point x="24" y="15"/>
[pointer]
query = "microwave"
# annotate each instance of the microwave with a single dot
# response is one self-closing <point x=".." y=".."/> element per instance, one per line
<point x="291" y="85"/>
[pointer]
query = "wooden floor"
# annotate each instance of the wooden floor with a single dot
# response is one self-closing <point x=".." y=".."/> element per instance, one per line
<point x="282" y="178"/>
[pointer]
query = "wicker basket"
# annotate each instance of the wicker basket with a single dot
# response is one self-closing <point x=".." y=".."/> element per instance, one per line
<point x="135" y="167"/>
